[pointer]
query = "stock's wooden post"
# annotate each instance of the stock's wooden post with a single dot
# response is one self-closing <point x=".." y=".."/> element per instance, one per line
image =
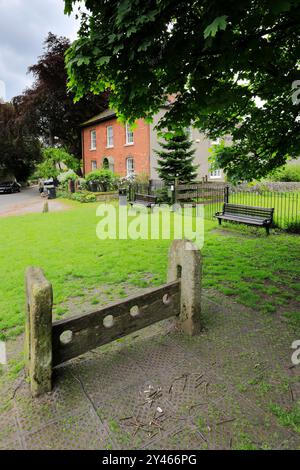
<point x="185" y="263"/>
<point x="49" y="344"/>
<point x="38" y="331"/>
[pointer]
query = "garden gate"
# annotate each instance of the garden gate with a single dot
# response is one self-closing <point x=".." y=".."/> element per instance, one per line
<point x="48" y="344"/>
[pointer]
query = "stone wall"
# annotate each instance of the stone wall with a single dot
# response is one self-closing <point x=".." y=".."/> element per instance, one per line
<point x="277" y="186"/>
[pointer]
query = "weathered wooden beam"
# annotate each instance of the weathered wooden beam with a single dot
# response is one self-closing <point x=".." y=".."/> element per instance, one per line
<point x="86" y="332"/>
<point x="38" y="330"/>
<point x="185" y="263"/>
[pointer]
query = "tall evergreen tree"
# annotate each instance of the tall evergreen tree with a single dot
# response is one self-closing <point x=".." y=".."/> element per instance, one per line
<point x="176" y="158"/>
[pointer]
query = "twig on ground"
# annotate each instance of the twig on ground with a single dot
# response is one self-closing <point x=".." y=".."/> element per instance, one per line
<point x="203" y="437"/>
<point x="197" y="404"/>
<point x="200" y="383"/>
<point x="185" y="382"/>
<point x="224" y="421"/>
<point x="291" y="392"/>
<point x="183" y="376"/>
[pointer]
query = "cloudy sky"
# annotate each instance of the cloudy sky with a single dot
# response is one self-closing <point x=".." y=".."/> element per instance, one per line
<point x="24" y="24"/>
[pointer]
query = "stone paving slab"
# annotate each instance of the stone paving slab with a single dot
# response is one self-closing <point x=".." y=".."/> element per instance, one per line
<point x="158" y="389"/>
<point x="79" y="431"/>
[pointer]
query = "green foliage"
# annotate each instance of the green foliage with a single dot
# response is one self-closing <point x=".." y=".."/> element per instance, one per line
<point x="217" y="57"/>
<point x="104" y="179"/>
<point x="290" y="417"/>
<point x="80" y="196"/>
<point x="244" y="442"/>
<point x="52" y="159"/>
<point x="219" y="23"/>
<point x="288" y="173"/>
<point x="293" y="319"/>
<point x="46" y="170"/>
<point x="176" y="158"/>
<point x="293" y="226"/>
<point x="67" y="176"/>
<point x="163" y="196"/>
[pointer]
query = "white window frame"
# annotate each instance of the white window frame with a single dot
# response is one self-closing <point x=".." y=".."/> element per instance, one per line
<point x="215" y="174"/>
<point x="129" y="171"/>
<point x="94" y="165"/>
<point x="109" y="137"/>
<point x="93" y="140"/>
<point x="129" y="135"/>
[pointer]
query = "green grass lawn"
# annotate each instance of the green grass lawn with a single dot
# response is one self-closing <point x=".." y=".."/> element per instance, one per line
<point x="255" y="270"/>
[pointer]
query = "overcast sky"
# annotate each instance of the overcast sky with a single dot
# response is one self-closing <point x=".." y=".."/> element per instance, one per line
<point x="24" y="24"/>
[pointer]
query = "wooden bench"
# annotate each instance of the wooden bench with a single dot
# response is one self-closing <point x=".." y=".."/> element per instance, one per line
<point x="145" y="199"/>
<point x="249" y="215"/>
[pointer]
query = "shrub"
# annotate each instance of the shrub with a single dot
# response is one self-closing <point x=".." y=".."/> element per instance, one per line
<point x="101" y="180"/>
<point x="288" y="173"/>
<point x="126" y="181"/>
<point x="67" y="176"/>
<point x="163" y="196"/>
<point x="293" y="227"/>
<point x="84" y="197"/>
<point x="80" y="196"/>
<point x="82" y="183"/>
<point x="52" y="159"/>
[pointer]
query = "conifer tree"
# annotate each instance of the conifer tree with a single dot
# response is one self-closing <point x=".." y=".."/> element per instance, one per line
<point x="176" y="158"/>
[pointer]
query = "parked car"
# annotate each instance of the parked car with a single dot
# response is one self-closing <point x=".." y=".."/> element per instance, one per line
<point x="10" y="187"/>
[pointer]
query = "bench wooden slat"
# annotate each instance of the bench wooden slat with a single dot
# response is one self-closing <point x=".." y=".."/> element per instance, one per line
<point x="244" y="216"/>
<point x="146" y="199"/>
<point x="250" y="215"/>
<point x="260" y="222"/>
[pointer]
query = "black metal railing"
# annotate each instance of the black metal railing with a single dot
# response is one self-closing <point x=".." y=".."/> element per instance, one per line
<point x="150" y="188"/>
<point x="286" y="204"/>
<point x="213" y="195"/>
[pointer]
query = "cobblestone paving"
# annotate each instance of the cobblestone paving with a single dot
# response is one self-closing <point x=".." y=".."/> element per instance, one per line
<point x="158" y="389"/>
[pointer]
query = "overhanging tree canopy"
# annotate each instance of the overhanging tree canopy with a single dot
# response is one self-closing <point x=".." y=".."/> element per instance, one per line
<point x="218" y="57"/>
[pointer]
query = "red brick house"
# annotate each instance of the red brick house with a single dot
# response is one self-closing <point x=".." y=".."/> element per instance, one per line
<point x="107" y="143"/>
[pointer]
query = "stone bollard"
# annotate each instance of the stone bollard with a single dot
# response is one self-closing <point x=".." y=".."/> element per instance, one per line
<point x="38" y="331"/>
<point x="185" y="263"/>
<point x="45" y="207"/>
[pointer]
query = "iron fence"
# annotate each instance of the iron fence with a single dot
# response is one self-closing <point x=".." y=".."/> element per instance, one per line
<point x="213" y="196"/>
<point x="150" y="188"/>
<point x="286" y="204"/>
